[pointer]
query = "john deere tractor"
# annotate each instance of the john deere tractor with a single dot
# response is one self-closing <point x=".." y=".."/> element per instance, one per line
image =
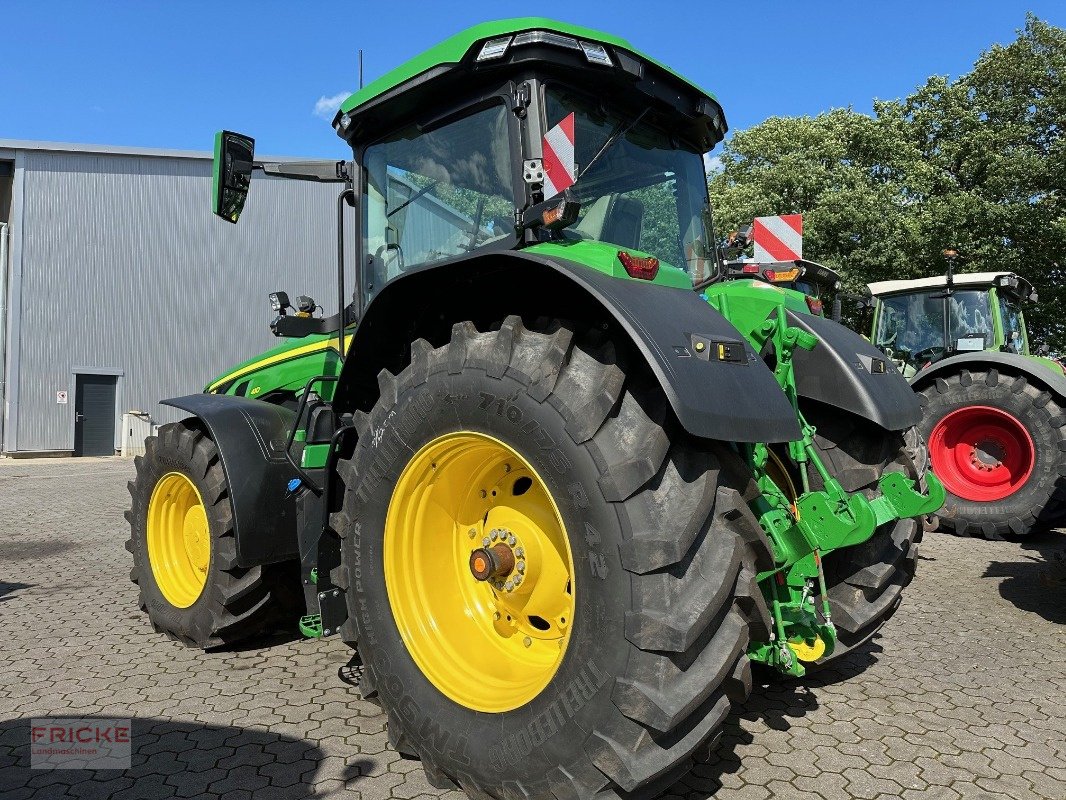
<point x="556" y="501"/>
<point x="993" y="413"/>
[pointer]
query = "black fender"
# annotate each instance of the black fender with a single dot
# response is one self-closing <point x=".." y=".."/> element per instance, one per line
<point x="846" y="371"/>
<point x="250" y="436"/>
<point x="1051" y="380"/>
<point x="733" y="399"/>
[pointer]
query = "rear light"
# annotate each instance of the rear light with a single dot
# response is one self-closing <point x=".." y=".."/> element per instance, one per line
<point x="750" y="269"/>
<point x="562" y="215"/>
<point x="774" y="275"/>
<point x="644" y="268"/>
<point x="814" y="304"/>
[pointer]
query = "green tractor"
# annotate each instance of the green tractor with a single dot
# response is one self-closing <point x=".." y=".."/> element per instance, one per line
<point x="993" y="413"/>
<point x="556" y="501"/>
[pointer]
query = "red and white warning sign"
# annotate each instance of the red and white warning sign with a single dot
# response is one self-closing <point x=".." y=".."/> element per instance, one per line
<point x="559" y="165"/>
<point x="778" y="238"/>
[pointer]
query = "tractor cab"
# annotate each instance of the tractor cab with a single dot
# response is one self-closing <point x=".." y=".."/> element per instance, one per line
<point x="919" y="322"/>
<point x="526" y="135"/>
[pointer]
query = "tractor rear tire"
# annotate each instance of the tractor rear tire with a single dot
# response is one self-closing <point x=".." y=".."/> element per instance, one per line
<point x="865" y="582"/>
<point x="1012" y="480"/>
<point x="184" y="550"/>
<point x="663" y="556"/>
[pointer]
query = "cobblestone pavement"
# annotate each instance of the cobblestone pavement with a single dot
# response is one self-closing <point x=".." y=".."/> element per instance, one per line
<point x="962" y="695"/>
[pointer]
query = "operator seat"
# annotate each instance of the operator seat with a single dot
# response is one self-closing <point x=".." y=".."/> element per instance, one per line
<point x="624" y="221"/>
<point x="612" y="218"/>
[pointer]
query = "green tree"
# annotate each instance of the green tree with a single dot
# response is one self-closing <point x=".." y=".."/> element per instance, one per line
<point x="978" y="163"/>
<point x="837" y="169"/>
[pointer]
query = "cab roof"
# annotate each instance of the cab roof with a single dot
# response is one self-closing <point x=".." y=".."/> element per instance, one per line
<point x="455" y="48"/>
<point x="936" y="282"/>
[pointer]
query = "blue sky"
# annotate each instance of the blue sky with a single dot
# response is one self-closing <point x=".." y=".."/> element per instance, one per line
<point x="158" y="74"/>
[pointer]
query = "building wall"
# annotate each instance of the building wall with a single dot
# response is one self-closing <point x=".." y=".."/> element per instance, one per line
<point x="123" y="267"/>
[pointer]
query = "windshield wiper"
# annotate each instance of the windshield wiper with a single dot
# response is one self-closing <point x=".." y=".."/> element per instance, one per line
<point x="412" y="198"/>
<point x="620" y="130"/>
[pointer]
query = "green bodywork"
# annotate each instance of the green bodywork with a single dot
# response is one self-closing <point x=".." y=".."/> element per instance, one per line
<point x="285" y="368"/>
<point x="803" y="524"/>
<point x="603" y="257"/>
<point x="453" y="49"/>
<point x="216" y="169"/>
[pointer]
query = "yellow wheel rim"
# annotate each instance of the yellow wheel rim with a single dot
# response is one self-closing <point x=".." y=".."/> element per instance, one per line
<point x="488" y="644"/>
<point x="179" y="539"/>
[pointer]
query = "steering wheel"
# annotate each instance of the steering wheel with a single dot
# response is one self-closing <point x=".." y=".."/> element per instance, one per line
<point x="928" y="354"/>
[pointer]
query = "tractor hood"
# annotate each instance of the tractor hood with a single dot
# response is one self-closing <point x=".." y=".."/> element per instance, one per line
<point x="318" y="346"/>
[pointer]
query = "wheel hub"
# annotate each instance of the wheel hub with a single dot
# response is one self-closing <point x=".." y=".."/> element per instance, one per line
<point x="988" y="454"/>
<point x="479" y="572"/>
<point x="493" y="563"/>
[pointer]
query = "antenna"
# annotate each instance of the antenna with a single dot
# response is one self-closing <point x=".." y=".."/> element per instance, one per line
<point x="950" y="255"/>
<point x="360" y="68"/>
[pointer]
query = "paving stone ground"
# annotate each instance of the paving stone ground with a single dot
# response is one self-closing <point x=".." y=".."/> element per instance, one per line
<point x="963" y="694"/>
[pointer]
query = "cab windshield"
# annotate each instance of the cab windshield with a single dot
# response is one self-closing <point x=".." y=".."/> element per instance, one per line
<point x="915" y="329"/>
<point x="646" y="191"/>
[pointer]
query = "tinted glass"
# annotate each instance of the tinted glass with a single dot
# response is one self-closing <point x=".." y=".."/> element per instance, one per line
<point x="646" y="192"/>
<point x="1013" y="326"/>
<point x="910" y="328"/>
<point x="435" y="194"/>
<point x="970" y="320"/>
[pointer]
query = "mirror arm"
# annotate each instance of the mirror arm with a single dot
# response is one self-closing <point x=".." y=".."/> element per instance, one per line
<point x="321" y="171"/>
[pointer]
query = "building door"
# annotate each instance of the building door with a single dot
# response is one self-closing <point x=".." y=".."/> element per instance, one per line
<point x="94" y="415"/>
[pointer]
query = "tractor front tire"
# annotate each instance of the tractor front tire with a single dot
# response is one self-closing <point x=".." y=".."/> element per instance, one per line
<point x="184" y="550"/>
<point x="865" y="582"/>
<point x="998" y="443"/>
<point x="608" y="642"/>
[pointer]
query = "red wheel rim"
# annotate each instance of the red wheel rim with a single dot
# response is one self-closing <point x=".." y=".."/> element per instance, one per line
<point x="981" y="453"/>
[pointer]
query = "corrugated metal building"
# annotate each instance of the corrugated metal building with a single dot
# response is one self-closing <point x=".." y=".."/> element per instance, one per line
<point x="116" y="281"/>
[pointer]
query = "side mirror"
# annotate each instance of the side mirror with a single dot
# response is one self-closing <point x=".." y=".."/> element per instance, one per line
<point x="232" y="174"/>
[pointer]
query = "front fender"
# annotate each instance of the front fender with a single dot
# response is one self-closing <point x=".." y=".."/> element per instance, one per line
<point x="843" y="371"/>
<point x="250" y="436"/>
<point x="1054" y="381"/>
<point x="672" y="329"/>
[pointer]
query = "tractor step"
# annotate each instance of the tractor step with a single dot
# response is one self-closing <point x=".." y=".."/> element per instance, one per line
<point x="311" y="626"/>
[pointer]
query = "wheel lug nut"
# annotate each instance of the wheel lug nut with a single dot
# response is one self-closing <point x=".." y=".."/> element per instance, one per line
<point x="509" y="586"/>
<point x="520" y="552"/>
<point x="495" y="534"/>
<point x="511" y="540"/>
<point x="517" y="580"/>
<point x="472" y="533"/>
<point x="521" y="566"/>
<point x="486" y="541"/>
<point x="527" y="641"/>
